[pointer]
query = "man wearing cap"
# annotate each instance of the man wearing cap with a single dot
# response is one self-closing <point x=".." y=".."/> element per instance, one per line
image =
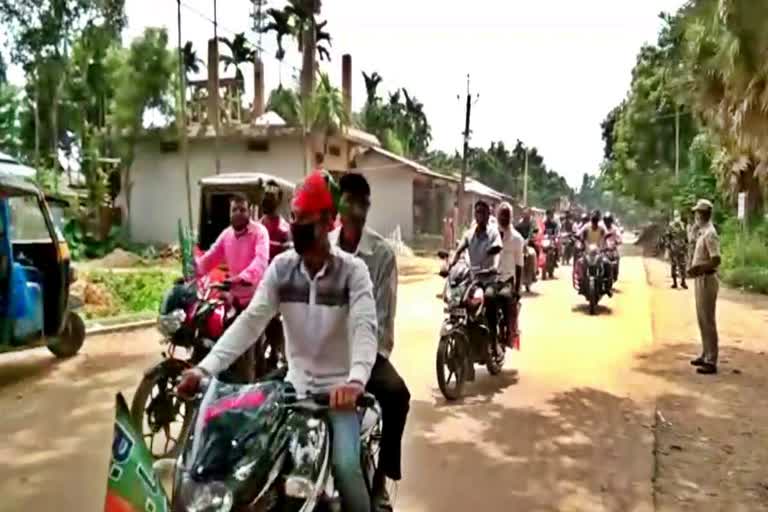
<point x="325" y="297"/>
<point x="704" y="264"/>
<point x="677" y="241"/>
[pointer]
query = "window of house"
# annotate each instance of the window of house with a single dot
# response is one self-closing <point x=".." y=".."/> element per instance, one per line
<point x="261" y="145"/>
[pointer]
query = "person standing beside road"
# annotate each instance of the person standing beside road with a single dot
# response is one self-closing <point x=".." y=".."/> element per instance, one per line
<point x="677" y="242"/>
<point x="706" y="260"/>
<point x="385" y="384"/>
<point x="511" y="271"/>
<point x="244" y="247"/>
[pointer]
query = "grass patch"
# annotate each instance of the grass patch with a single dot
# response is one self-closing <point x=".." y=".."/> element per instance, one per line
<point x="745" y="256"/>
<point x="135" y="292"/>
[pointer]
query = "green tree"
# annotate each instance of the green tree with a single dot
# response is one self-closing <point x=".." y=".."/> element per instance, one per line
<point x="10" y="128"/>
<point x="240" y="52"/>
<point x="727" y="77"/>
<point x="144" y="78"/>
<point x="191" y="60"/>
<point x="42" y="34"/>
<point x="400" y="123"/>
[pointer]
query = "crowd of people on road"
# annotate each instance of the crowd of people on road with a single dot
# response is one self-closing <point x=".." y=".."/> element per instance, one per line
<point x="333" y="280"/>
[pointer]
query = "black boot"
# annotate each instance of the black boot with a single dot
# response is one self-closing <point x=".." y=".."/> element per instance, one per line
<point x="685" y="286"/>
<point x="380" y="501"/>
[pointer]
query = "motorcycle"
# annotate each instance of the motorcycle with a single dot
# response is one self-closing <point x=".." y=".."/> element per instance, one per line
<point x="465" y="337"/>
<point x="611" y="253"/>
<point x="193" y="316"/>
<point x="568" y="243"/>
<point x="589" y="277"/>
<point x="530" y="265"/>
<point x="261" y="447"/>
<point x="549" y="246"/>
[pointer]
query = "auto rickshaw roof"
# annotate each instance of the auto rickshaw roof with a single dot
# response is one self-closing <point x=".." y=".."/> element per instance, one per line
<point x="245" y="179"/>
<point x="17" y="185"/>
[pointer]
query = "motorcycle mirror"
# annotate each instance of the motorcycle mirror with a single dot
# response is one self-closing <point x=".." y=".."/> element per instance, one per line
<point x="442" y="254"/>
<point x="443" y="274"/>
<point x="493" y="251"/>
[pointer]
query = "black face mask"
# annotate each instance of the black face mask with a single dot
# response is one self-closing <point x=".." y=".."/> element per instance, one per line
<point x="304" y="237"/>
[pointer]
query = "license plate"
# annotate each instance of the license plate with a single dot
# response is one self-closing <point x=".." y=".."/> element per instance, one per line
<point x="459" y="311"/>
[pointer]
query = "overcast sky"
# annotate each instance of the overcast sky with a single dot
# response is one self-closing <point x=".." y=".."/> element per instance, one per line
<point x="547" y="71"/>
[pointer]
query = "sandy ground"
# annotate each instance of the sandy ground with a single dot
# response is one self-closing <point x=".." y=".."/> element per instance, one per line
<point x="566" y="426"/>
<point x="713" y="431"/>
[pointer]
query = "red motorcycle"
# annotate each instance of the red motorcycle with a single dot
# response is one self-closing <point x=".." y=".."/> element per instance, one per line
<point x="193" y="316"/>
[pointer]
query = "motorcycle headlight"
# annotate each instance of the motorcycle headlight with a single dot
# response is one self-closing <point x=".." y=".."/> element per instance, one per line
<point x="207" y="497"/>
<point x="172" y="322"/>
<point x="546" y="244"/>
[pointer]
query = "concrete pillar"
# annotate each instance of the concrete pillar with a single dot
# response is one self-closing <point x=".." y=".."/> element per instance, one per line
<point x="258" y="88"/>
<point x="346" y="83"/>
<point x="213" y="82"/>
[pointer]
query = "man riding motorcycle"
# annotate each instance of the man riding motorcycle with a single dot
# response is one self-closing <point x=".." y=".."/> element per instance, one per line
<point x="552" y="230"/>
<point x="244" y="247"/>
<point x="326" y="300"/>
<point x="478" y="243"/>
<point x="385" y="383"/>
<point x="510" y="271"/>
<point x="595" y="233"/>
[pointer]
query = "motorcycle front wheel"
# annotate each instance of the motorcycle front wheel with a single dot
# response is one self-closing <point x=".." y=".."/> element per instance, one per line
<point x="592" y="296"/>
<point x="451" y="365"/>
<point x="158" y="414"/>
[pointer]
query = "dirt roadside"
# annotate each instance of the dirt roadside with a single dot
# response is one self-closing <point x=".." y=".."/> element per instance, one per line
<point x="711" y="432"/>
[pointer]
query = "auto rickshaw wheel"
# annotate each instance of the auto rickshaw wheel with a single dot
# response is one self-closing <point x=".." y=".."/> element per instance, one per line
<point x="71" y="339"/>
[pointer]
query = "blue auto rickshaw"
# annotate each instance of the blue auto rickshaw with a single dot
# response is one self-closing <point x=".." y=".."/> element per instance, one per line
<point x="35" y="274"/>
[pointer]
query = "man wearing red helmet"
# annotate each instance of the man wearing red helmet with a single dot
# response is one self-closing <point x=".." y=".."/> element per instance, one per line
<point x="326" y="300"/>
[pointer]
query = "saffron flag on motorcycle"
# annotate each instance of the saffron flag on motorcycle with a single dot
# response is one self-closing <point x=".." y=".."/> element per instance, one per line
<point x="132" y="485"/>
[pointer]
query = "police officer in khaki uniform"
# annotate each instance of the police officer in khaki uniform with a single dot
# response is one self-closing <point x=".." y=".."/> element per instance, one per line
<point x="704" y="263"/>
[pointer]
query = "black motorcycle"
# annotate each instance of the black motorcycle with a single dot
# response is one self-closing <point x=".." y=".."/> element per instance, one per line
<point x="260" y="447"/>
<point x="590" y="277"/>
<point x="568" y="243"/>
<point x="549" y="246"/>
<point x="465" y="337"/>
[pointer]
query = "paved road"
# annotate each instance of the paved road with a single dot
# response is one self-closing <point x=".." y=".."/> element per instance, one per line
<point x="564" y="427"/>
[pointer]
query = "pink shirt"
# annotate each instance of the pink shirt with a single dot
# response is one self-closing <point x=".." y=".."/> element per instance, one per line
<point x="246" y="256"/>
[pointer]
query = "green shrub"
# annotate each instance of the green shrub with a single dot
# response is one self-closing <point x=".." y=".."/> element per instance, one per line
<point x="135" y="291"/>
<point x="745" y="255"/>
<point x="750" y="278"/>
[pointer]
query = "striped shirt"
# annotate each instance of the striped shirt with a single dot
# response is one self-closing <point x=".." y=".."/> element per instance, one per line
<point x="329" y="322"/>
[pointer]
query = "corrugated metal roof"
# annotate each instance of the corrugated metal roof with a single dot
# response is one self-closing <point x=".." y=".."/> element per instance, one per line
<point x="417" y="167"/>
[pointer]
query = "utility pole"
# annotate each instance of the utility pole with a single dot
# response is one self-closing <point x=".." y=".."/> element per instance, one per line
<point x="525" y="179"/>
<point x="183" y="111"/>
<point x="216" y="87"/>
<point x="465" y="158"/>
<point x="677" y="143"/>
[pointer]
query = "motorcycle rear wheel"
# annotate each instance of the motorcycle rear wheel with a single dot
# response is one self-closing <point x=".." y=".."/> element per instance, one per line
<point x="451" y="362"/>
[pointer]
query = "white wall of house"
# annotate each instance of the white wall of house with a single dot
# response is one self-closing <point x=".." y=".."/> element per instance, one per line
<point x="158" y="196"/>
<point x="391" y="194"/>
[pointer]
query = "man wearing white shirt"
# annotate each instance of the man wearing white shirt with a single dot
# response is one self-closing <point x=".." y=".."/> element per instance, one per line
<point x="510" y="269"/>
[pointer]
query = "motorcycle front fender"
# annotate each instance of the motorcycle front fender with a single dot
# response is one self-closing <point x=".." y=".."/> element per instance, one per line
<point x="448" y="328"/>
<point x="169" y="366"/>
